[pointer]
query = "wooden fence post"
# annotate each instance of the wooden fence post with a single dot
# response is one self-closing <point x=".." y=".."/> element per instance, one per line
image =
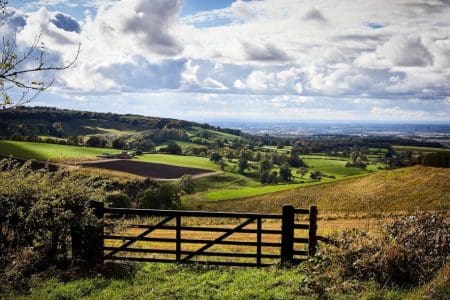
<point x="178" y="238"/>
<point x="87" y="244"/>
<point x="287" y="234"/>
<point x="312" y="239"/>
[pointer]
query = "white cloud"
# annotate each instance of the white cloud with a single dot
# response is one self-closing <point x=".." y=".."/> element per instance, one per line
<point x="288" y="80"/>
<point x="272" y="47"/>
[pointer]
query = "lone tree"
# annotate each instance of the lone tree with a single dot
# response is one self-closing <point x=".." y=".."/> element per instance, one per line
<point x="285" y="172"/>
<point x="215" y="157"/>
<point x="19" y="66"/>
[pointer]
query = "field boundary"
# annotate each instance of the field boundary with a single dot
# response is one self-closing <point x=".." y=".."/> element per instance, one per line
<point x="174" y="250"/>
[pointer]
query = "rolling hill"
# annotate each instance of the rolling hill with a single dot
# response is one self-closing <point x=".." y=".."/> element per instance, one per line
<point x="407" y="189"/>
<point x="60" y="124"/>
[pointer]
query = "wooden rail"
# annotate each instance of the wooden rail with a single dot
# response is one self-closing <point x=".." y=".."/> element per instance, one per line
<point x="262" y="253"/>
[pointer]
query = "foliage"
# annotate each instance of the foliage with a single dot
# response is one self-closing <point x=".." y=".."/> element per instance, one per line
<point x="118" y="200"/>
<point x="437" y="159"/>
<point x="38" y="210"/>
<point x="268" y="177"/>
<point x="357" y="160"/>
<point x="242" y="164"/>
<point x="316" y="175"/>
<point x="285" y="172"/>
<point x="215" y="157"/>
<point x="164" y="196"/>
<point x="187" y="184"/>
<point x="171" y="148"/>
<point x="409" y="251"/>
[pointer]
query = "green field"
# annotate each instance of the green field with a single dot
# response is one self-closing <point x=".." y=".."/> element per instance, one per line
<point x="330" y="166"/>
<point x="233" y="186"/>
<point x="170" y="281"/>
<point x="335" y="166"/>
<point x="184" y="145"/>
<point x="84" y="126"/>
<point x="43" y="151"/>
<point x="180" y="160"/>
<point x="228" y="194"/>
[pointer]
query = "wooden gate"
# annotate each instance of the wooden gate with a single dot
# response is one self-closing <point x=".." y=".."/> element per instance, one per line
<point x="171" y="238"/>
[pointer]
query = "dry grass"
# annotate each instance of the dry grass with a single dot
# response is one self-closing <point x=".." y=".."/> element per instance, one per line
<point x="407" y="189"/>
<point x="325" y="227"/>
<point x="120" y="177"/>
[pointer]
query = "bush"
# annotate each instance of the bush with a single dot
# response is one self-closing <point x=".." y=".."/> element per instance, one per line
<point x="317" y="175"/>
<point x="409" y="251"/>
<point x="165" y="196"/>
<point x="215" y="157"/>
<point x="171" y="148"/>
<point x="285" y="172"/>
<point x="118" y="200"/>
<point x="187" y="184"/>
<point x="38" y="211"/>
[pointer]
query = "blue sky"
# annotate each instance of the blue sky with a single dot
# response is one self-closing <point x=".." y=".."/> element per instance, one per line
<point x="245" y="60"/>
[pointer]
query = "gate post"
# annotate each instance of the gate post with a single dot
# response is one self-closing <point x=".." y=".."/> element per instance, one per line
<point x="287" y="234"/>
<point x="87" y="244"/>
<point x="312" y="239"/>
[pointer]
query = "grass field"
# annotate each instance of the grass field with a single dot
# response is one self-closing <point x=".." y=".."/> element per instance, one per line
<point x="160" y="281"/>
<point x="85" y="126"/>
<point x="334" y="166"/>
<point x="53" y="152"/>
<point x="405" y="189"/>
<point x="180" y="160"/>
<point x="226" y="194"/>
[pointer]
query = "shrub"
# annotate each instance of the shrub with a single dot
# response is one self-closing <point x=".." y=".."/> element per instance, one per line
<point x="165" y="196"/>
<point x="187" y="184"/>
<point x="118" y="200"/>
<point x="409" y="251"/>
<point x="38" y="211"/>
<point x="171" y="148"/>
<point x="285" y="172"/>
<point x="317" y="175"/>
<point x="215" y="157"/>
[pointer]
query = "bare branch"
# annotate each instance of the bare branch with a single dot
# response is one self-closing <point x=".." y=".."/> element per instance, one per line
<point x="13" y="66"/>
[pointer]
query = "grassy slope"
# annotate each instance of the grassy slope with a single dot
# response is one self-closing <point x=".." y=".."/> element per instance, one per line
<point x="328" y="165"/>
<point x="397" y="190"/>
<point x="84" y="126"/>
<point x="157" y="281"/>
<point x="42" y="151"/>
<point x="180" y="160"/>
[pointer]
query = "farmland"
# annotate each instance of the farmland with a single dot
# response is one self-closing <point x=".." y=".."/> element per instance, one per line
<point x="52" y="152"/>
<point x="332" y="166"/>
<point x="401" y="190"/>
<point x="146" y="169"/>
<point x="180" y="160"/>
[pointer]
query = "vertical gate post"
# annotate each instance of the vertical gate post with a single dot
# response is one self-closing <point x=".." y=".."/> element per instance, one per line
<point x="287" y="234"/>
<point x="312" y="230"/>
<point x="178" y="237"/>
<point x="87" y="243"/>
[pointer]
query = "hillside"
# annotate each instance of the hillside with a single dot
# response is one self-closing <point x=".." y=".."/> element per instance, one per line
<point x="406" y="189"/>
<point x="29" y="123"/>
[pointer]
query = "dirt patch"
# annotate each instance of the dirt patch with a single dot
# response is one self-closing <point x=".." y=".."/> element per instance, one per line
<point x="146" y="169"/>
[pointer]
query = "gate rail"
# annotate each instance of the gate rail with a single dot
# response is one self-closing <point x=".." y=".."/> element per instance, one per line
<point x="286" y="252"/>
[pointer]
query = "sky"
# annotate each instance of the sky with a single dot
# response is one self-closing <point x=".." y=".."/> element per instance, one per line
<point x="261" y="60"/>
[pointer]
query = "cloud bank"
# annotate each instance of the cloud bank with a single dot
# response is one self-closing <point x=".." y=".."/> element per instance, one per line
<point x="392" y="58"/>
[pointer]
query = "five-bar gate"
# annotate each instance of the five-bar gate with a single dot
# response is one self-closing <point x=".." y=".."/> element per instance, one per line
<point x="172" y="237"/>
